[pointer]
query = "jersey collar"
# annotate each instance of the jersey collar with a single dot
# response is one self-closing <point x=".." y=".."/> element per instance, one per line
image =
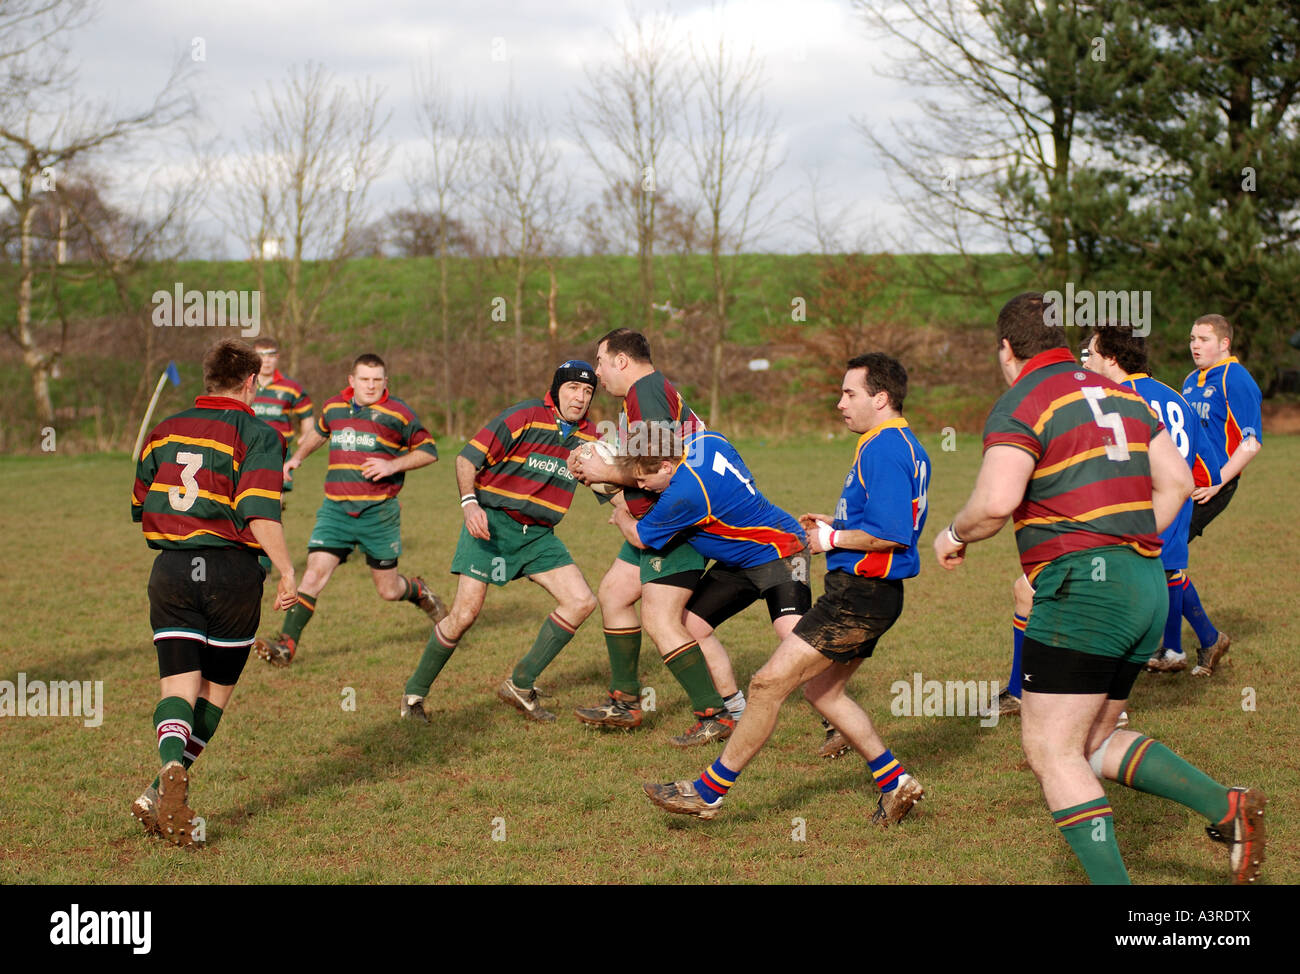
<point x="1049" y="357"/>
<point x="898" y="422"/>
<point x="348" y="394"/>
<point x="222" y="402"/>
<point x="1202" y="373"/>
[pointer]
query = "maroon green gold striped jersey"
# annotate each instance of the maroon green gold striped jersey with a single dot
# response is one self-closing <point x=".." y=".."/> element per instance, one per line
<point x="385" y="429"/>
<point x="1089" y="438"/>
<point x="204" y="473"/>
<point x="282" y="404"/>
<point x="652" y="410"/>
<point x="520" y="458"/>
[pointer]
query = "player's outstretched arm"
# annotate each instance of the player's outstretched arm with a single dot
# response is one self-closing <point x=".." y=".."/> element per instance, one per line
<point x="270" y="535"/>
<point x="999" y="489"/>
<point x="1171" y="479"/>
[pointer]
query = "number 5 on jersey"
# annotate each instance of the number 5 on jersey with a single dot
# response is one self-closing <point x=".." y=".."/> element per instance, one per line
<point x="1118" y="450"/>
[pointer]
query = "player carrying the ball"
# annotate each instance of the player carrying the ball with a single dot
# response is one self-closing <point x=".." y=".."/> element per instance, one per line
<point x="660" y="579"/>
<point x="515" y="486"/>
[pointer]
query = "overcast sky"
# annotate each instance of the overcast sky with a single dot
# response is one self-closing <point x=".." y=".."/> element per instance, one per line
<point x="821" y="65"/>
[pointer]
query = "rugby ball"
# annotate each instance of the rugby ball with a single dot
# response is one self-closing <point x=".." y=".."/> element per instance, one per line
<point x="607" y="453"/>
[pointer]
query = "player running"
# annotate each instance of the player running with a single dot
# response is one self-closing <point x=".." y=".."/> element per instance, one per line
<point x="1090" y="477"/>
<point x="515" y="487"/>
<point x="281" y="402"/>
<point x="374" y="439"/>
<point x="709" y="499"/>
<point x="660" y="579"/>
<point x="207" y="493"/>
<point x="871" y="548"/>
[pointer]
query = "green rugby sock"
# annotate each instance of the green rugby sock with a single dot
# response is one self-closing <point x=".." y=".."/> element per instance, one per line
<point x="551" y="638"/>
<point x="206" y="717"/>
<point x="688" y="665"/>
<point x="1090" y="829"/>
<point x="1151" y="767"/>
<point x="299" y="614"/>
<point x="436" y="653"/>
<point x="173" y="720"/>
<point x="624" y="647"/>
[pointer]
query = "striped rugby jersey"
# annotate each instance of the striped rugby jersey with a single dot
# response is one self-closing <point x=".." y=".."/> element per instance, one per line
<point x="282" y="404"/>
<point x="652" y="408"/>
<point x="385" y="429"/>
<point x="204" y="473"/>
<point x="885" y="494"/>
<point x="1089" y="438"/>
<point x="1228" y="401"/>
<point x="713" y="499"/>
<point x="520" y="457"/>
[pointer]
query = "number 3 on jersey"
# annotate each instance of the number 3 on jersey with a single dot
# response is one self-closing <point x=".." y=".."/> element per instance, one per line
<point x="182" y="498"/>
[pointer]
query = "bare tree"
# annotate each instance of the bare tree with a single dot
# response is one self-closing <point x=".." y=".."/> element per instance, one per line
<point x="731" y="140"/>
<point x="299" y="192"/>
<point x="997" y="157"/>
<point x="46" y="127"/>
<point x="445" y="175"/>
<point x="627" y="129"/>
<point x="528" y="203"/>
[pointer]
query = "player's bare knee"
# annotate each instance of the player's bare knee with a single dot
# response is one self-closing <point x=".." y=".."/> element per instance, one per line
<point x="769" y="682"/>
<point x="577" y="611"/>
<point x="460" y="618"/>
<point x="1023" y="594"/>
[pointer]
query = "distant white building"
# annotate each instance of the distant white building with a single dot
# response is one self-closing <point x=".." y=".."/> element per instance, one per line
<point x="270" y="248"/>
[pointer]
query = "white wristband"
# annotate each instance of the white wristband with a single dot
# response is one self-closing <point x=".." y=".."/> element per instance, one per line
<point x="468" y="499"/>
<point x="825" y="536"/>
<point x="952" y="536"/>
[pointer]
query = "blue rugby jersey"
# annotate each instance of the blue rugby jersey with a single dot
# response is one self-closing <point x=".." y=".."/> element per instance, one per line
<point x="884" y="495"/>
<point x="712" y="497"/>
<point x="1228" y="401"/>
<point x="1184" y="428"/>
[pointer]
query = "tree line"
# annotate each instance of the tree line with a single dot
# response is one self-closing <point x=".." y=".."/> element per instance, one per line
<point x="1107" y="145"/>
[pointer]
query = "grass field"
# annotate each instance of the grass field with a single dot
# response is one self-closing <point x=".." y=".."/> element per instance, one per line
<point x="297" y="789"/>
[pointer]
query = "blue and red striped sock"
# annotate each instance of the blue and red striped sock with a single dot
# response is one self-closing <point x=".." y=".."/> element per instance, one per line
<point x="716" y="781"/>
<point x="886" y="769"/>
<point x="1173" y="638"/>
